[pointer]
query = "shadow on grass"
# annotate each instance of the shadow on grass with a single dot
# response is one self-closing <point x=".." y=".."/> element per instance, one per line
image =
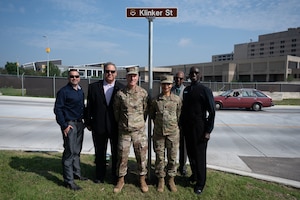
<point x="48" y="165"/>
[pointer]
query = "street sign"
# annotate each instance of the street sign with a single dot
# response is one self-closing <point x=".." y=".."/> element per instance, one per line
<point x="151" y="12"/>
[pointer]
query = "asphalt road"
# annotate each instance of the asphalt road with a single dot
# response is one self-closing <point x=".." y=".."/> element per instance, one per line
<point x="264" y="144"/>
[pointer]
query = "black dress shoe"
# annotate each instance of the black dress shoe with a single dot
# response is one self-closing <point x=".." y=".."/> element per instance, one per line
<point x="81" y="178"/>
<point x="72" y="186"/>
<point x="197" y="190"/>
<point x="97" y="181"/>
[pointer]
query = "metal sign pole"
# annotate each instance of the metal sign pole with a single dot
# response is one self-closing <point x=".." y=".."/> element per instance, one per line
<point x="150" y="14"/>
<point x="150" y="81"/>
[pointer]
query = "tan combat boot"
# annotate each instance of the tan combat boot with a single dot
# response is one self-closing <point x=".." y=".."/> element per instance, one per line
<point x="119" y="185"/>
<point x="161" y="185"/>
<point x="172" y="185"/>
<point x="144" y="186"/>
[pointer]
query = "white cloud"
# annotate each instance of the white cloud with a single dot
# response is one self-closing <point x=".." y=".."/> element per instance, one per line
<point x="236" y="14"/>
<point x="183" y="42"/>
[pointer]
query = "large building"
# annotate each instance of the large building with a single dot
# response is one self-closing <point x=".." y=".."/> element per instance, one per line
<point x="270" y="45"/>
<point x="274" y="57"/>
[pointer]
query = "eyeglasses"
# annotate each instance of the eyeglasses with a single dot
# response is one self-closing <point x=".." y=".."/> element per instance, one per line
<point x="71" y="76"/>
<point x="111" y="71"/>
<point x="178" y="78"/>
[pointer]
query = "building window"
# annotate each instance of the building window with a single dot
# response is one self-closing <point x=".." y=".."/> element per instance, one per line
<point x="293" y="50"/>
<point x="281" y="51"/>
<point x="252" y="45"/>
<point x="282" y="46"/>
<point x="262" y="44"/>
<point x="271" y="52"/>
<point x="89" y="73"/>
<point x="271" y="43"/>
<point x="294" y="40"/>
<point x="294" y="45"/>
<point x="261" y="49"/>
<point x="271" y="47"/>
<point x="282" y="42"/>
<point x="261" y="53"/>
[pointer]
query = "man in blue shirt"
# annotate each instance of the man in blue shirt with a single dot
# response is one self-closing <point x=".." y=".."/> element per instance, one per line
<point x="69" y="111"/>
<point x="178" y="90"/>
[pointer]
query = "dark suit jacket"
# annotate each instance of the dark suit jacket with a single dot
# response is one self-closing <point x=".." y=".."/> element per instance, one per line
<point x="198" y="100"/>
<point x="99" y="115"/>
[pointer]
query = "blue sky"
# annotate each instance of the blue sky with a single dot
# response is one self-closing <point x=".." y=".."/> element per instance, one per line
<point x="91" y="31"/>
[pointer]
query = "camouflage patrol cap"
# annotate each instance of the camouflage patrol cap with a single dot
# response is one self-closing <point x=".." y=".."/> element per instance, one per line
<point x="132" y="70"/>
<point x="166" y="79"/>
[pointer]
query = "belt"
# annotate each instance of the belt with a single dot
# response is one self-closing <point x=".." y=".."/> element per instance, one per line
<point x="76" y="120"/>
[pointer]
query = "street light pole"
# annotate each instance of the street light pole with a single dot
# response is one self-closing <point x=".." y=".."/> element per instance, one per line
<point x="47" y="51"/>
<point x="18" y="69"/>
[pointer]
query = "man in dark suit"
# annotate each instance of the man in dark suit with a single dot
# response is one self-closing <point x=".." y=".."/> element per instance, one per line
<point x="197" y="121"/>
<point x="100" y="120"/>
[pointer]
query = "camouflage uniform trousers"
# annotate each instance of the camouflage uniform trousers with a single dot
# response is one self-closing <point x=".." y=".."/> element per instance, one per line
<point x="160" y="144"/>
<point x="140" y="146"/>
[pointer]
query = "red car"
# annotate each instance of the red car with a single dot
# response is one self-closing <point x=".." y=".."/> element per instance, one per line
<point x="243" y="98"/>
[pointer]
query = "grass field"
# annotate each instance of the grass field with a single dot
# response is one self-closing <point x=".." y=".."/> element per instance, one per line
<point x="9" y="91"/>
<point x="37" y="175"/>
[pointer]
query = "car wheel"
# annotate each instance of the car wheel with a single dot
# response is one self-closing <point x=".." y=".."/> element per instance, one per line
<point x="218" y="106"/>
<point x="256" y="107"/>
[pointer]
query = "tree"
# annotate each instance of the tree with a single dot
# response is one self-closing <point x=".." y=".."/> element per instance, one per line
<point x="65" y="73"/>
<point x="11" y="68"/>
<point x="53" y="70"/>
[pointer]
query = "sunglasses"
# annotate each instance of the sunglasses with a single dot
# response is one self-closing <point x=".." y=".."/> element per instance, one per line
<point x="111" y="71"/>
<point x="194" y="72"/>
<point x="71" y="76"/>
<point x="178" y="78"/>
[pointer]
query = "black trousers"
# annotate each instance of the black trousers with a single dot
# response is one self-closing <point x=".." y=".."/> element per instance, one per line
<point x="196" y="151"/>
<point x="100" y="145"/>
<point x="182" y="152"/>
<point x="72" y="149"/>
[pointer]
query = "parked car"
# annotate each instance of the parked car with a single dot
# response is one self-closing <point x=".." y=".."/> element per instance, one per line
<point x="243" y="98"/>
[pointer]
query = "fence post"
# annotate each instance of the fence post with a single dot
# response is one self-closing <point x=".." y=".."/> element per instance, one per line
<point x="54" y="91"/>
<point x="23" y="84"/>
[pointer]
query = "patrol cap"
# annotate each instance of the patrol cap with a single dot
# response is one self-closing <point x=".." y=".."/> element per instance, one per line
<point x="166" y="79"/>
<point x="132" y="70"/>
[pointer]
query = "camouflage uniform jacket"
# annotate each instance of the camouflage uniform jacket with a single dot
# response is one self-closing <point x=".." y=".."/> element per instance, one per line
<point x="165" y="112"/>
<point x="131" y="109"/>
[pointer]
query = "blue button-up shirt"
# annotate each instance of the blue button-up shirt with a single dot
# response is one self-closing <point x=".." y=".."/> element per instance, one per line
<point x="69" y="105"/>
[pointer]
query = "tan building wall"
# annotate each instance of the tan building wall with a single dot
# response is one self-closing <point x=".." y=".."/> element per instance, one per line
<point x="247" y="70"/>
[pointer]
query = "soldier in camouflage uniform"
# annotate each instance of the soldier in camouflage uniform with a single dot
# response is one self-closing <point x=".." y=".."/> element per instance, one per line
<point x="131" y="109"/>
<point x="165" y="111"/>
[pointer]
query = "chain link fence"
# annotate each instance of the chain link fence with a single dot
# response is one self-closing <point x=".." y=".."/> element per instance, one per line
<point x="48" y="86"/>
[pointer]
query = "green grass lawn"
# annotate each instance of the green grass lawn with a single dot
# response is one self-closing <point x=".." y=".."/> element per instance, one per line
<point x="288" y="102"/>
<point x="9" y="91"/>
<point x="37" y="175"/>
